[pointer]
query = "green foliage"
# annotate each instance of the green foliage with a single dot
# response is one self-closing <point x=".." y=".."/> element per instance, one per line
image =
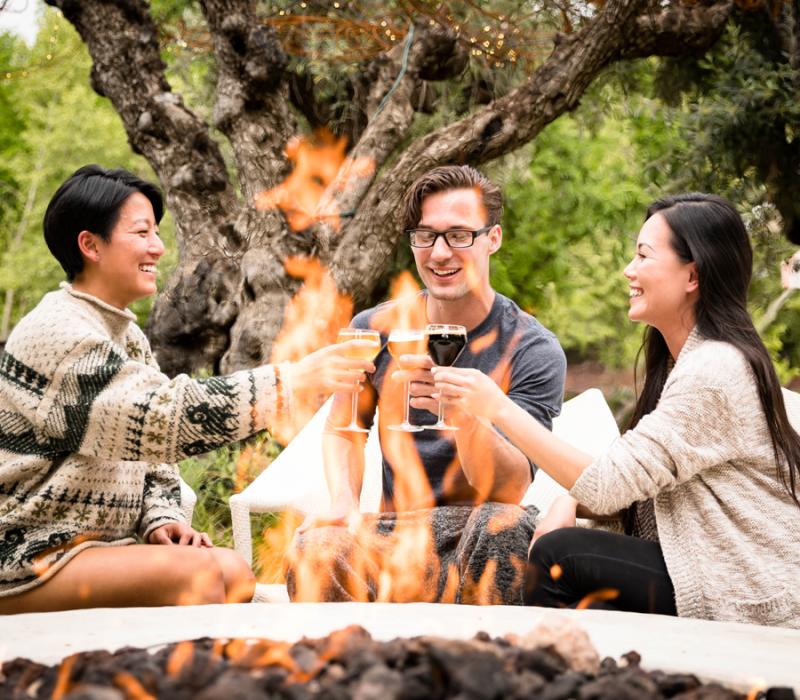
<point x="66" y="125"/>
<point x="12" y="125"/>
<point x="217" y="475"/>
<point x="738" y="115"/>
<point x="575" y="200"/>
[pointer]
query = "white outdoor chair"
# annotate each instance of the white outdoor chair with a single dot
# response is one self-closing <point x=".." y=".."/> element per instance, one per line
<point x="296" y="479"/>
<point x="792" y="401"/>
<point x="188" y="500"/>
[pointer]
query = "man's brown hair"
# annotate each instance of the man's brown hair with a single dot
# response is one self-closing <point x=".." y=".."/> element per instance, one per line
<point x="452" y="177"/>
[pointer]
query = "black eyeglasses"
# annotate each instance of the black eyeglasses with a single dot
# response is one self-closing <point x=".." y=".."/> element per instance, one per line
<point x="454" y="237"/>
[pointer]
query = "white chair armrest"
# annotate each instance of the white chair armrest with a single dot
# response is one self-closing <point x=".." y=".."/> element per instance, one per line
<point x="587" y="423"/>
<point x="295" y="480"/>
<point x="188" y="500"/>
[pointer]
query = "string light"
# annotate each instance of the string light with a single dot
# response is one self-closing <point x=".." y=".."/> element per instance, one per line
<point x="497" y="41"/>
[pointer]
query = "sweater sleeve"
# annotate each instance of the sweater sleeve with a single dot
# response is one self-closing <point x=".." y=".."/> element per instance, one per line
<point x="161" y="499"/>
<point x="692" y="428"/>
<point x="101" y="403"/>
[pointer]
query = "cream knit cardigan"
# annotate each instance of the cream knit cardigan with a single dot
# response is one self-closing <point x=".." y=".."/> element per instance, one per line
<point x="88" y="425"/>
<point x="728" y="529"/>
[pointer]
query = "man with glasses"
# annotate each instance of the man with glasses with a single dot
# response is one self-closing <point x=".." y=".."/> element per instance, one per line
<point x="451" y="528"/>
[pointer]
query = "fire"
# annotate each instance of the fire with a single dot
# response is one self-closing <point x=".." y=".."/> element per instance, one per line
<point x="63" y="680"/>
<point x="132" y="688"/>
<point x="412" y="553"/>
<point x="756" y="692"/>
<point x="317" y="161"/>
<point x="480" y="344"/>
<point x="40" y="565"/>
<point x="311" y="320"/>
<point x="597" y="596"/>
<point x="252" y="460"/>
<point x="180" y="657"/>
<point x="485" y="593"/>
<point x="202" y="582"/>
<point x="407" y="312"/>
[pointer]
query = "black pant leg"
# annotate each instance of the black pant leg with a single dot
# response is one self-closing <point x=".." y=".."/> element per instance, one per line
<point x="567" y="565"/>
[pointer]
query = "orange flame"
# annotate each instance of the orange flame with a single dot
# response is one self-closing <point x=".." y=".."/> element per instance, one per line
<point x="480" y="344"/>
<point x="132" y="688"/>
<point x="407" y="312"/>
<point x="179" y="658"/>
<point x="252" y="460"/>
<point x="41" y="566"/>
<point x="400" y="580"/>
<point x="311" y="320"/>
<point x="757" y="690"/>
<point x="597" y="596"/>
<point x="63" y="680"/>
<point x="273" y="554"/>
<point x="259" y="653"/>
<point x="316" y="163"/>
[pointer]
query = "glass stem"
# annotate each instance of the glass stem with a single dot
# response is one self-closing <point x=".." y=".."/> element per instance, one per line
<point x="408" y="402"/>
<point x="441" y="413"/>
<point x="354" y="409"/>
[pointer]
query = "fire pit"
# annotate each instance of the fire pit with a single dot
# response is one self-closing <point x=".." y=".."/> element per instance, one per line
<point x="349" y="664"/>
<point x="742" y="657"/>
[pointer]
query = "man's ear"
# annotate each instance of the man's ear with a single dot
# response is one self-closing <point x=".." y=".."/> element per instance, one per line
<point x="87" y="244"/>
<point x="495" y="238"/>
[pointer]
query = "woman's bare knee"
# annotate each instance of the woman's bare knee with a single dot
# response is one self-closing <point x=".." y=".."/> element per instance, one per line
<point x="198" y="577"/>
<point x="240" y="583"/>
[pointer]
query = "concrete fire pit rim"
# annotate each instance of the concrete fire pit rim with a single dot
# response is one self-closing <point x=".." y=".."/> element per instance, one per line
<point x="739" y="655"/>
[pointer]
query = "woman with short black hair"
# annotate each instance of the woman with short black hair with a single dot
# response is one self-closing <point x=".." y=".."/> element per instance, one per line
<point x="90" y="427"/>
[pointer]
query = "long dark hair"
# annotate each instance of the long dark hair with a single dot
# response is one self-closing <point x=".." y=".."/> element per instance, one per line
<point x="708" y="231"/>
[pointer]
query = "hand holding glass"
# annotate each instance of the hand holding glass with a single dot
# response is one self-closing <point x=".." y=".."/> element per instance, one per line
<point x="445" y="343"/>
<point x="363" y="351"/>
<point x="406" y="342"/>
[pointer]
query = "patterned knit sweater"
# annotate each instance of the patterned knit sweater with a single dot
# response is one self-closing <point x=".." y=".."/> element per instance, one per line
<point x="88" y="424"/>
<point x="728" y="529"/>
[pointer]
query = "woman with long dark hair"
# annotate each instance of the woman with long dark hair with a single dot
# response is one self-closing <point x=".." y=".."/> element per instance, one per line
<point x="705" y="479"/>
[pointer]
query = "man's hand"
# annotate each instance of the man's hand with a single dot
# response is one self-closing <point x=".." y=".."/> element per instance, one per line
<point x="179" y="533"/>
<point x="561" y="514"/>
<point x="416" y="369"/>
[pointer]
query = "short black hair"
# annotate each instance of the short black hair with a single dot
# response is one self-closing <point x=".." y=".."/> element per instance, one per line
<point x="90" y="200"/>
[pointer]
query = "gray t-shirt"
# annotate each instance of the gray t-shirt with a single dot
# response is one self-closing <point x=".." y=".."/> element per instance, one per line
<point x="509" y="344"/>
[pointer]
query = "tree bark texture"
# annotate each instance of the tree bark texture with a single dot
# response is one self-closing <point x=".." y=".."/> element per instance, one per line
<point x="224" y="305"/>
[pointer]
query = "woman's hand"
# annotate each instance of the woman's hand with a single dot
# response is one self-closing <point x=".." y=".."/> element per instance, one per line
<point x="328" y="369"/>
<point x="179" y="533"/>
<point x="469" y="390"/>
<point x="562" y="513"/>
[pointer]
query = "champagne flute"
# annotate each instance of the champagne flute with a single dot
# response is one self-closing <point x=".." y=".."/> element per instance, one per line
<point x="363" y="352"/>
<point x="406" y="342"/>
<point x="445" y="343"/>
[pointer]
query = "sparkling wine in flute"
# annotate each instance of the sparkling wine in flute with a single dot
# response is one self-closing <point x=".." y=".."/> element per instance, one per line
<point x="365" y="351"/>
<point x="445" y="343"/>
<point x="406" y="342"/>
